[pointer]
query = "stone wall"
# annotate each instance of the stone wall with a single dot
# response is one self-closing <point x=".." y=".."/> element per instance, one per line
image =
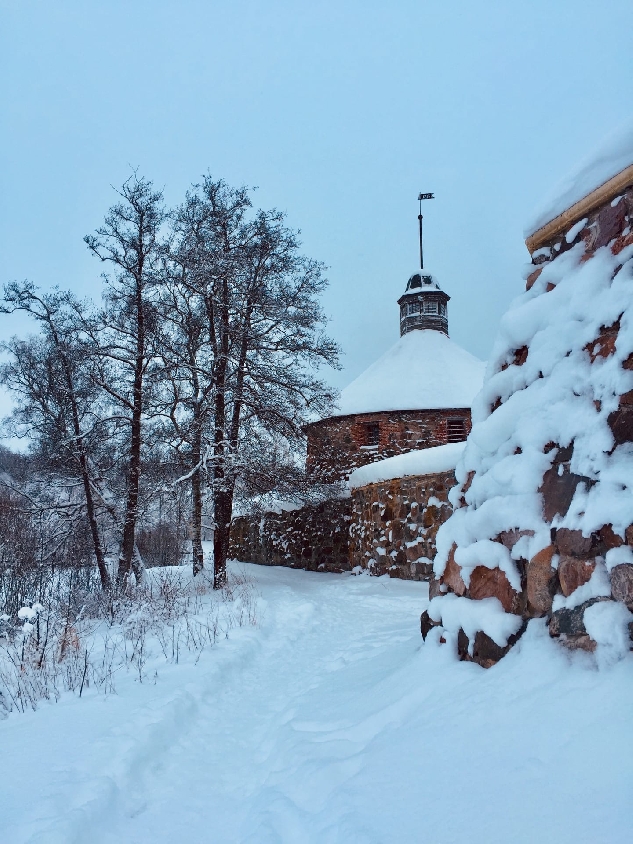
<point x="551" y="576"/>
<point x="315" y="537"/>
<point x="388" y="528"/>
<point x="394" y="524"/>
<point x="338" y="445"/>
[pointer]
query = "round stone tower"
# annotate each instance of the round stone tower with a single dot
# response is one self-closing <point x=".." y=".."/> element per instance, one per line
<point x="417" y="395"/>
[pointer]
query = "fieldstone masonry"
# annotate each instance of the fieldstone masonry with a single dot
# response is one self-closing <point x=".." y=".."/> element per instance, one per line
<point x="574" y="556"/>
<point x="315" y="537"/>
<point x="394" y="524"/>
<point x="387" y="528"/>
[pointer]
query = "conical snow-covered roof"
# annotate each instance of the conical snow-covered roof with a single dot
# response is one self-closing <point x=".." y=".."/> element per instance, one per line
<point x="424" y="370"/>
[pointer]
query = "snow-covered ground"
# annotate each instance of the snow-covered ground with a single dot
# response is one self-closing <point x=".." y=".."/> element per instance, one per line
<point x="329" y="722"/>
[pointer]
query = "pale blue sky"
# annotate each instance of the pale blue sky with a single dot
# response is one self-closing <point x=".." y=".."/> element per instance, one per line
<point x="341" y="112"/>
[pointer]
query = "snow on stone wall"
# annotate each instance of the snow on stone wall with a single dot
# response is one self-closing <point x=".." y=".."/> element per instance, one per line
<point x="395" y="522"/>
<point x="426" y="461"/>
<point x="314" y="537"/>
<point x="386" y="527"/>
<point x="543" y="524"/>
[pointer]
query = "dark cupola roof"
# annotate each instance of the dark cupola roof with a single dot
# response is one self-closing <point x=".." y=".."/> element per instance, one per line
<point x="423" y="304"/>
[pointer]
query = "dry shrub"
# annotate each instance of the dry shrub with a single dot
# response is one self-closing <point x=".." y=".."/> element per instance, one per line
<point x="82" y="639"/>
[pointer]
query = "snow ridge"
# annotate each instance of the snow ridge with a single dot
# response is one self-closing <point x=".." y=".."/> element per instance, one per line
<point x="440" y="458"/>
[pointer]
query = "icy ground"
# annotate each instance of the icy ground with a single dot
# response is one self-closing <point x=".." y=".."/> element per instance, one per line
<point x="331" y="722"/>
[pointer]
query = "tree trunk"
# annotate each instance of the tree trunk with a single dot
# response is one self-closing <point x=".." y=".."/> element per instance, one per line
<point x="222" y="500"/>
<point x="104" y="574"/>
<point x="223" y="509"/>
<point x="196" y="478"/>
<point x="131" y="503"/>
<point x="134" y="466"/>
<point x="224" y="496"/>
<point x="196" y="510"/>
<point x="138" y="566"/>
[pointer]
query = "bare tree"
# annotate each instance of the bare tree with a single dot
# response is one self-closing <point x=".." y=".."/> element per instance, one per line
<point x="212" y="326"/>
<point x="56" y="403"/>
<point x="208" y="243"/>
<point x="252" y="340"/>
<point x="129" y="241"/>
<point x="279" y="344"/>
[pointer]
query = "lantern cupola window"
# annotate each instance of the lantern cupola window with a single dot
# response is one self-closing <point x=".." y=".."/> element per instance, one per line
<point x="423" y="305"/>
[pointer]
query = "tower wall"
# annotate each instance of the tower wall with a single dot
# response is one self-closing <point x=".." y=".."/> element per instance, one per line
<point x="415" y="314"/>
<point x="338" y="445"/>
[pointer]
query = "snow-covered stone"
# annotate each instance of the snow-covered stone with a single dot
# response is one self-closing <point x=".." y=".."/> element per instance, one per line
<point x="550" y="456"/>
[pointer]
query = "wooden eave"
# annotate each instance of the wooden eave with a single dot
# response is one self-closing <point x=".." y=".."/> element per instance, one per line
<point x="598" y="197"/>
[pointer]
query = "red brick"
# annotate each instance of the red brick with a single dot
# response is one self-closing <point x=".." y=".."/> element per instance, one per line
<point x="335" y="445"/>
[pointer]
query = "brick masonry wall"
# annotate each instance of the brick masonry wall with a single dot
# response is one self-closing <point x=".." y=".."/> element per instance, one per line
<point x="337" y="446"/>
<point x="394" y="524"/>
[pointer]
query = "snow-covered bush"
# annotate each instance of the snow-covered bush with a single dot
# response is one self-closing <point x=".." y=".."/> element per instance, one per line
<point x="46" y="651"/>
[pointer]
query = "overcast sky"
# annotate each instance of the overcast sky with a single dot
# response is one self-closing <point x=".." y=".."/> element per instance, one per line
<point x="339" y="111"/>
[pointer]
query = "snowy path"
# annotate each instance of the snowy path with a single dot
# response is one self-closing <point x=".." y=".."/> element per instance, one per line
<point x="331" y="723"/>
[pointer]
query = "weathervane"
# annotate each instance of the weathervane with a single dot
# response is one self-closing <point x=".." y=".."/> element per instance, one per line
<point x="421" y="197"/>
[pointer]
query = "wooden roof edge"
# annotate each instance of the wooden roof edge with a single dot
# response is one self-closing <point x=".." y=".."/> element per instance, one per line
<point x="599" y="196"/>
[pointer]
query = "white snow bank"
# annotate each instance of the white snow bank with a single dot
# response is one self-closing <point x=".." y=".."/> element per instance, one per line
<point x="425" y="369"/>
<point x="618" y="556"/>
<point x="607" y="624"/>
<point x="426" y="461"/>
<point x="319" y="725"/>
<point x="610" y="158"/>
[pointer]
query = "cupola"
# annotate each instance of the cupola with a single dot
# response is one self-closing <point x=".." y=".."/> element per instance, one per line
<point x="423" y="304"/>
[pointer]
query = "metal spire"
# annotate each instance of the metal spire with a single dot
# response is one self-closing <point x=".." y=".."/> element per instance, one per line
<point x="421" y="197"/>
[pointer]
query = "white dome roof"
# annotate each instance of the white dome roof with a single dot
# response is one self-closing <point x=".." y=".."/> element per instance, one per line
<point x="424" y="370"/>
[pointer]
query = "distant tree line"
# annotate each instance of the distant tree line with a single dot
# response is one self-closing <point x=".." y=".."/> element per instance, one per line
<point x="189" y="384"/>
